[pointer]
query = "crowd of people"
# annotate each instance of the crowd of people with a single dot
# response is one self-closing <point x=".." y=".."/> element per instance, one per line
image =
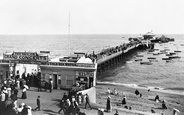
<point x="9" y="97"/>
<point x="10" y="89"/>
<point x="70" y="103"/>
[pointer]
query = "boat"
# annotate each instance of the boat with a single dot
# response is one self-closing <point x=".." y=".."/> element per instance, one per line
<point x="166" y="58"/>
<point x="174" y="56"/>
<point x="177" y="51"/>
<point x="156" y="53"/>
<point x="151" y="58"/>
<point x="170" y="53"/>
<point x="138" y="59"/>
<point x="146" y="63"/>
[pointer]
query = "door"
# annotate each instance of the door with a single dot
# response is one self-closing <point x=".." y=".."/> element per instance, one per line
<point x="55" y="81"/>
<point x="63" y="81"/>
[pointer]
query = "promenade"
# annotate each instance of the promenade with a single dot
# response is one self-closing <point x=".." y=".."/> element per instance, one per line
<point x="50" y="104"/>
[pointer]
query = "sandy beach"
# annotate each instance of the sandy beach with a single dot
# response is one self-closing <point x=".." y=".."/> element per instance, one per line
<point x="144" y="104"/>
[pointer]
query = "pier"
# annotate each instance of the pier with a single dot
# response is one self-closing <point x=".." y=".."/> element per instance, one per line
<point x="112" y="56"/>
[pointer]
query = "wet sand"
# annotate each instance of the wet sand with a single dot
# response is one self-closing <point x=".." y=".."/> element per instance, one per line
<point x="142" y="104"/>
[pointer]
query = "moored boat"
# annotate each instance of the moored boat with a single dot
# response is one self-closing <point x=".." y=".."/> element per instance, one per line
<point x="146" y="63"/>
<point x="170" y="53"/>
<point x="166" y="58"/>
<point x="156" y="53"/>
<point x="151" y="58"/>
<point x="138" y="59"/>
<point x="177" y="51"/>
<point x="174" y="56"/>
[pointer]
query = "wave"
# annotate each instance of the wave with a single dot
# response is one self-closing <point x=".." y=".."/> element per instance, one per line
<point x="151" y="88"/>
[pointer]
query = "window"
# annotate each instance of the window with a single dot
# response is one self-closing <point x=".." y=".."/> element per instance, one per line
<point x="69" y="82"/>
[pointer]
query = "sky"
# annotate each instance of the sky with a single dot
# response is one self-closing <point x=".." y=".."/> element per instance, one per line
<point x="91" y="16"/>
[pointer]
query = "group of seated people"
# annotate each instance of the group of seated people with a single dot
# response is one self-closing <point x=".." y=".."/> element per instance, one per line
<point x="113" y="92"/>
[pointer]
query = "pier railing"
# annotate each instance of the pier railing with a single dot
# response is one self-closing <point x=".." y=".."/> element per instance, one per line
<point x="110" y="53"/>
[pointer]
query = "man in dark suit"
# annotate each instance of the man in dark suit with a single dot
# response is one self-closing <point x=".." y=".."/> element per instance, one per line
<point x="87" y="102"/>
<point x="38" y="103"/>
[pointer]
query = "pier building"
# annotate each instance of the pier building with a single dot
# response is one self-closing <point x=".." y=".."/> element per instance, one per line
<point x="65" y="72"/>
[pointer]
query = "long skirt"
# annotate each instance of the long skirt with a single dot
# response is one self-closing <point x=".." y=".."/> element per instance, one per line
<point x="24" y="95"/>
<point x="108" y="106"/>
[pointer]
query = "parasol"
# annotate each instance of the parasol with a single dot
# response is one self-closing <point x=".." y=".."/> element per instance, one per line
<point x="176" y="110"/>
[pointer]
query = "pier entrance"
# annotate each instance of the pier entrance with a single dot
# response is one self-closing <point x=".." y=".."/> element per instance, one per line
<point x="21" y="65"/>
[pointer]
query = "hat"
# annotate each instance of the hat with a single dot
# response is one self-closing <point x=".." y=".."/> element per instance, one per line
<point x="68" y="100"/>
<point x="22" y="104"/>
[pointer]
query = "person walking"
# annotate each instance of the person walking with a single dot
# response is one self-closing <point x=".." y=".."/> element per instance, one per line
<point x="2" y="101"/>
<point x="67" y="110"/>
<point x="87" y="101"/>
<point x="38" y="104"/>
<point x="61" y="105"/>
<point x="108" y="106"/>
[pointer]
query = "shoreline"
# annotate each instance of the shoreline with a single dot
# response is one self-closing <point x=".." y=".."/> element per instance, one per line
<point x="158" y="89"/>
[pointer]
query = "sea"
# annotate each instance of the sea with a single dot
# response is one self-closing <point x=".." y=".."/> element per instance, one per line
<point x="167" y="75"/>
